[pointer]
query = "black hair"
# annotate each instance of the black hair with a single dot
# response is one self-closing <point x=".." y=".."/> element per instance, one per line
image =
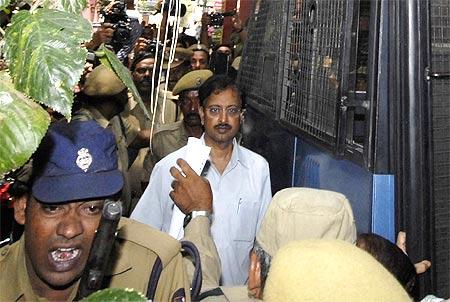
<point x="216" y="84"/>
<point x="140" y="56"/>
<point x="187" y="40"/>
<point x="225" y="45"/>
<point x="391" y="257"/>
<point x="203" y="50"/>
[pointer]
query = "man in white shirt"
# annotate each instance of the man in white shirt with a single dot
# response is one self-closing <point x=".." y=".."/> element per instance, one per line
<point x="239" y="180"/>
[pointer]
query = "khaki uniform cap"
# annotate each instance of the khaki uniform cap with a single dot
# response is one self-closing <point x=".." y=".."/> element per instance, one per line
<point x="199" y="47"/>
<point x="329" y="270"/>
<point x="305" y="213"/>
<point x="181" y="55"/>
<point x="191" y="80"/>
<point x="102" y="81"/>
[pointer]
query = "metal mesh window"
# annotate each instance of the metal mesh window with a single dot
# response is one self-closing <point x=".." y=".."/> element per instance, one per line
<point x="259" y="71"/>
<point x="440" y="49"/>
<point x="312" y="77"/>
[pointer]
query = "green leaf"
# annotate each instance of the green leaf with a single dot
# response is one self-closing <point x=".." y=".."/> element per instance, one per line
<point x="70" y="6"/>
<point x="23" y="124"/>
<point x="4" y="3"/>
<point x="45" y="57"/>
<point x="108" y="58"/>
<point x="115" y="294"/>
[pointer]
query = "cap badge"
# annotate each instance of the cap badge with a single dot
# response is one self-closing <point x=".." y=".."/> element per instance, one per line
<point x="198" y="82"/>
<point x="84" y="159"/>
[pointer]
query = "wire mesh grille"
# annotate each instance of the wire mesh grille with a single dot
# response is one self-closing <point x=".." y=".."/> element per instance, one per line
<point x="440" y="48"/>
<point x="259" y="69"/>
<point x="311" y="77"/>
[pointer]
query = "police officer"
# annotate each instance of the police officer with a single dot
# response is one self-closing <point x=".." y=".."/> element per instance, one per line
<point x="104" y="98"/>
<point x="293" y="214"/>
<point x="200" y="57"/>
<point x="171" y="137"/>
<point x="75" y="170"/>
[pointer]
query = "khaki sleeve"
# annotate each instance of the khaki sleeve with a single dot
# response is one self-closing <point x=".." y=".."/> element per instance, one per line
<point x="131" y="127"/>
<point x="173" y="284"/>
<point x="198" y="231"/>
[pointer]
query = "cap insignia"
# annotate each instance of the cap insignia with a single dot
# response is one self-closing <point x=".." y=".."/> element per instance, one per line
<point x="198" y="82"/>
<point x="84" y="159"/>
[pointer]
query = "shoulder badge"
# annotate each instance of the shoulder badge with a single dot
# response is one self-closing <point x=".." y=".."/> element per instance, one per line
<point x="84" y="159"/>
<point x="199" y="82"/>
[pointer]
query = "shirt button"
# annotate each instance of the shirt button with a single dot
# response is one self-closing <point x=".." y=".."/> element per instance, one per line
<point x="4" y="252"/>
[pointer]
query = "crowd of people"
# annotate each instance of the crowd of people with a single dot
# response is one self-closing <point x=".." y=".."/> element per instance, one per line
<point x="300" y="245"/>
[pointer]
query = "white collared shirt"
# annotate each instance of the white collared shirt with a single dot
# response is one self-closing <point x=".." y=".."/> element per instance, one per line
<point x="241" y="196"/>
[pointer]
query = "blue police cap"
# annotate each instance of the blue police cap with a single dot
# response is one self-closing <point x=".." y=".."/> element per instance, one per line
<point x="75" y="161"/>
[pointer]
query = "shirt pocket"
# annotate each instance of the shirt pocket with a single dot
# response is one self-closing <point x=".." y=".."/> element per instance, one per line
<point x="245" y="219"/>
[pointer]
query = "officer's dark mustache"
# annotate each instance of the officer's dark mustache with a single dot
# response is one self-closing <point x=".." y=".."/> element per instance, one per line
<point x="147" y="81"/>
<point x="222" y="126"/>
<point x="192" y="115"/>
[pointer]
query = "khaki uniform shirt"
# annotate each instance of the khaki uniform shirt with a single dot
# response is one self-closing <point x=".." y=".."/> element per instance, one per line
<point x="170" y="111"/>
<point x="132" y="259"/>
<point x="135" y="115"/>
<point x="198" y="231"/>
<point x="124" y="133"/>
<point x="232" y="294"/>
<point x="169" y="138"/>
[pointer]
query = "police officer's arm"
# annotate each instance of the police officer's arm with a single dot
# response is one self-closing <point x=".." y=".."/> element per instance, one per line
<point x="173" y="284"/>
<point x="193" y="193"/>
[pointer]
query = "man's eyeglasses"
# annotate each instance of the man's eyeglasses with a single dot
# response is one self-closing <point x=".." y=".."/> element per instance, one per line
<point x="143" y="70"/>
<point x="230" y="111"/>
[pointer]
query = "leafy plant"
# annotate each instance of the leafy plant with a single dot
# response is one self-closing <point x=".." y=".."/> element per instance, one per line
<point x="22" y="125"/>
<point x="115" y="294"/>
<point x="45" y="55"/>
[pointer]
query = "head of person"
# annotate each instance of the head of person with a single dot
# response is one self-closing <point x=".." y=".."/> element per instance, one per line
<point x="391" y="257"/>
<point x="225" y="49"/>
<point x="325" y="270"/>
<point x="188" y="101"/>
<point x="103" y="89"/>
<point x="200" y="57"/>
<point x="74" y="170"/>
<point x="222" y="109"/>
<point x="179" y="66"/>
<point x="142" y="71"/>
<point x="298" y="214"/>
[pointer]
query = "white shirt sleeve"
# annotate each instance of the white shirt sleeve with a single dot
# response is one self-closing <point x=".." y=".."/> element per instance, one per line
<point x="149" y="209"/>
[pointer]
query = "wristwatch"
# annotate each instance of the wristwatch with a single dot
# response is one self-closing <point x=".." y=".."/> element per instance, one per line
<point x="194" y="214"/>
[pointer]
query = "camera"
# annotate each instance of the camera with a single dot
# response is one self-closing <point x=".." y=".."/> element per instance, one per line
<point x="217" y="18"/>
<point x="122" y="31"/>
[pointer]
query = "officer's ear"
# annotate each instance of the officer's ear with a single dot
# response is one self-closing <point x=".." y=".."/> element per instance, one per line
<point x="242" y="116"/>
<point x="201" y="111"/>
<point x="20" y="205"/>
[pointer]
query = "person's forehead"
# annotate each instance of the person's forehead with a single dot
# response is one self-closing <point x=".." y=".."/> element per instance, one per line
<point x="224" y="49"/>
<point x="68" y="203"/>
<point x="199" y="54"/>
<point x="145" y="63"/>
<point x="190" y="93"/>
<point x="226" y="97"/>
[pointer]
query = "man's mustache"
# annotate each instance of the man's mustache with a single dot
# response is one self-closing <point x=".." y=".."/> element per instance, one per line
<point x="146" y="81"/>
<point x="192" y="115"/>
<point x="223" y="126"/>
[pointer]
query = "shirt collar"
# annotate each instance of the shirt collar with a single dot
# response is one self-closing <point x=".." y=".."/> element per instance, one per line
<point x="97" y="116"/>
<point x="236" y="156"/>
<point x="119" y="261"/>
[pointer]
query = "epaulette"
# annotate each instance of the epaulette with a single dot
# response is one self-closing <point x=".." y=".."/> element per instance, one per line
<point x="4" y="251"/>
<point x="161" y="243"/>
